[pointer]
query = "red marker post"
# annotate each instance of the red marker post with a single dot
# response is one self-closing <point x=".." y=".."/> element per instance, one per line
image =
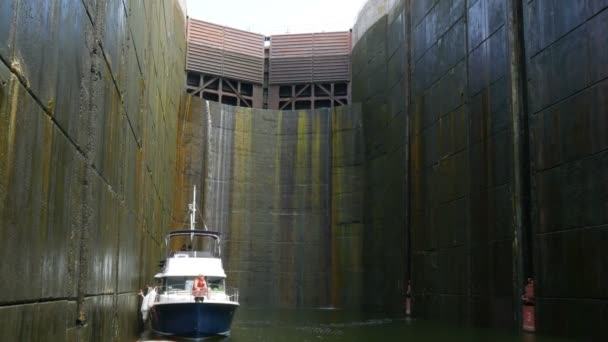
<point x="408" y="299"/>
<point x="529" y="319"/>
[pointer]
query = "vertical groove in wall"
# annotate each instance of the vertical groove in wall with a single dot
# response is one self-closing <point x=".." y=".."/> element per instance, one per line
<point x="467" y="111"/>
<point x="522" y="257"/>
<point x="329" y="202"/>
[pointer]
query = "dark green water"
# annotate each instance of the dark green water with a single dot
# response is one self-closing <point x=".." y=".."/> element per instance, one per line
<point x="337" y="325"/>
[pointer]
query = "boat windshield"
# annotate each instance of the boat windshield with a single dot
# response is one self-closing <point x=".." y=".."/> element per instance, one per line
<point x="178" y="283"/>
<point x="185" y="283"/>
<point x="194" y="246"/>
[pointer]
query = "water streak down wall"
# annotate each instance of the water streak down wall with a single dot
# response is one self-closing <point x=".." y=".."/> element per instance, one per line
<point x="88" y="96"/>
<point x="282" y="188"/>
<point x="469" y="220"/>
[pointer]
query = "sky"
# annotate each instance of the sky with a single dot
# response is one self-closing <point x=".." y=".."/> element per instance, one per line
<point x="278" y="16"/>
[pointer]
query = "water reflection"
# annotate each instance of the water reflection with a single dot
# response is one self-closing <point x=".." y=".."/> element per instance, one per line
<point x="342" y="326"/>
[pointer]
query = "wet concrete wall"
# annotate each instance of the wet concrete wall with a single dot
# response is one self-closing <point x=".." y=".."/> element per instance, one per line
<point x="461" y="162"/>
<point x="88" y="96"/>
<point x="347" y="258"/>
<point x="491" y="202"/>
<point x="379" y="85"/>
<point x="282" y="188"/>
<point x="567" y="59"/>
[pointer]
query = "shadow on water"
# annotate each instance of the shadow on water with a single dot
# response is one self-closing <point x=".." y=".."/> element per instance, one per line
<point x="340" y="326"/>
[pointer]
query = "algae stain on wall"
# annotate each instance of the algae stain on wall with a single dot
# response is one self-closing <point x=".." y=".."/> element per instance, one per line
<point x="268" y="178"/>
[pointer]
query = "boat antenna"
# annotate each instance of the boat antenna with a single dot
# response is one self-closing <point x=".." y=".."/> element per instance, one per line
<point x="193" y="211"/>
<point x="192" y="208"/>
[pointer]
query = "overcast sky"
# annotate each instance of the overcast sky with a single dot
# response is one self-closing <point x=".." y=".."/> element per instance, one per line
<point x="278" y="16"/>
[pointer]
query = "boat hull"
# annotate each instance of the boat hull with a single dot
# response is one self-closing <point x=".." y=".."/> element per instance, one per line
<point x="192" y="320"/>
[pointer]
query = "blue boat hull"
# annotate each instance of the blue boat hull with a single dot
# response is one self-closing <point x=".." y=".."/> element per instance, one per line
<point x="192" y="320"/>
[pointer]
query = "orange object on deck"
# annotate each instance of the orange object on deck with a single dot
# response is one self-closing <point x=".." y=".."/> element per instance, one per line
<point x="199" y="288"/>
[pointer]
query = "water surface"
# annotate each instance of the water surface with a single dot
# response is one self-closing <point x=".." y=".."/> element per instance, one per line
<point x="341" y="326"/>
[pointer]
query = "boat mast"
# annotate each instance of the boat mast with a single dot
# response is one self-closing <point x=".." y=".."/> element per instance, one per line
<point x="192" y="208"/>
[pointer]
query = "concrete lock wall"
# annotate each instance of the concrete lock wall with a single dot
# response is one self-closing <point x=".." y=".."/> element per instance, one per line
<point x="379" y="83"/>
<point x="283" y="189"/>
<point x="504" y="169"/>
<point x="462" y="164"/>
<point x="567" y="69"/>
<point x="473" y="159"/>
<point x="88" y="96"/>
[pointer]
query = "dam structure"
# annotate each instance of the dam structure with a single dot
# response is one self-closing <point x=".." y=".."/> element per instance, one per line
<point x="445" y="153"/>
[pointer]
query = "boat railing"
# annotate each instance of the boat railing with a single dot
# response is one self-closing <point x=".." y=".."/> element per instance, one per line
<point x="185" y="291"/>
<point x="193" y="254"/>
<point x="232" y="293"/>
